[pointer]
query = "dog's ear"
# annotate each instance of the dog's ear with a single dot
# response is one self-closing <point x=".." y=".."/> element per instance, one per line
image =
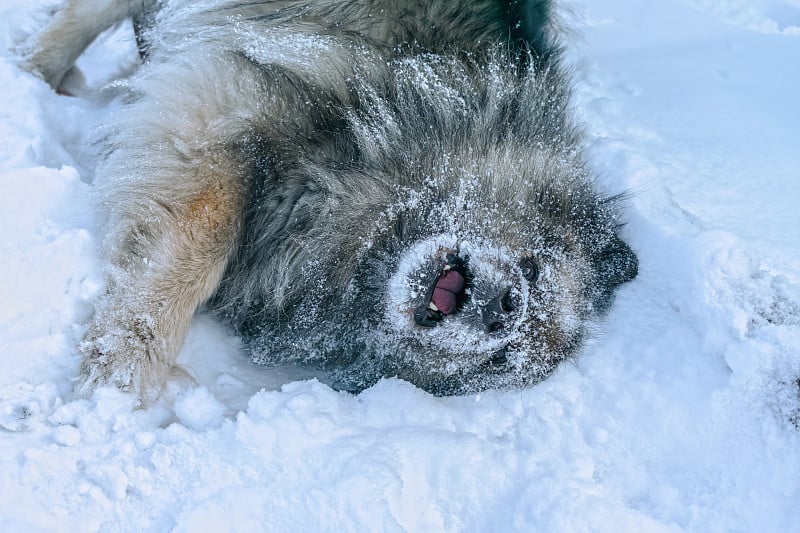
<point x="616" y="264"/>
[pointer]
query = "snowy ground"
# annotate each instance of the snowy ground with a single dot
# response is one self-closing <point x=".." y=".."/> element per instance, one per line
<point x="682" y="415"/>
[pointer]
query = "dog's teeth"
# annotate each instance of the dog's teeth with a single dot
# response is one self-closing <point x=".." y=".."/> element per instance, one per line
<point x="432" y="306"/>
<point x="447" y="267"/>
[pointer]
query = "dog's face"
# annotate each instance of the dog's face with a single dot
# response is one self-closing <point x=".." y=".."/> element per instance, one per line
<point x="472" y="281"/>
<point x="461" y="245"/>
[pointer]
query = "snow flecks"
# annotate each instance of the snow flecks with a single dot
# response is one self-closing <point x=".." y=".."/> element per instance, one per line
<point x="290" y="50"/>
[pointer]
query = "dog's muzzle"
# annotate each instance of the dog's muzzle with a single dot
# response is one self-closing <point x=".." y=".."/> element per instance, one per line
<point x="450" y="291"/>
<point x="458" y="296"/>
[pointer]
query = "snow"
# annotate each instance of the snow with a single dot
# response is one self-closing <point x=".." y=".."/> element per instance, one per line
<point x="683" y="413"/>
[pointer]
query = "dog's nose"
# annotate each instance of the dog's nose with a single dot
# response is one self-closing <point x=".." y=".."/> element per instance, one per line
<point x="496" y="311"/>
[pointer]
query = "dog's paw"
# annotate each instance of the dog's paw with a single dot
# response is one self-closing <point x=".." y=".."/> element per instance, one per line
<point x="63" y="77"/>
<point x="44" y="64"/>
<point x="125" y="353"/>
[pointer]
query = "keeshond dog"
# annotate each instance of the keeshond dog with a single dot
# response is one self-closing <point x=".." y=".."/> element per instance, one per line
<point x="377" y="187"/>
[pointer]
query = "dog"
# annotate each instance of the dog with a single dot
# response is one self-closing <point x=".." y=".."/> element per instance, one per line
<point x="376" y="187"/>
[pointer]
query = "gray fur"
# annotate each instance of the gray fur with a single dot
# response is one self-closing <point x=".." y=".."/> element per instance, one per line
<point x="305" y="167"/>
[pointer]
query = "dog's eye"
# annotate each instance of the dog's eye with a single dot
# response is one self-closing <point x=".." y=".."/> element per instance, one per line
<point x="529" y="269"/>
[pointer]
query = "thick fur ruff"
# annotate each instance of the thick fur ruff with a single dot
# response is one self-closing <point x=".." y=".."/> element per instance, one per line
<point x="316" y="171"/>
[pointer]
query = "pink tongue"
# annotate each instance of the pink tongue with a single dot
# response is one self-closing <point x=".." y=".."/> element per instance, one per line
<point x="447" y="287"/>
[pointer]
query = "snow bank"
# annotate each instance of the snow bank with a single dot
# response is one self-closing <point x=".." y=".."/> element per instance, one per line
<point x="682" y="414"/>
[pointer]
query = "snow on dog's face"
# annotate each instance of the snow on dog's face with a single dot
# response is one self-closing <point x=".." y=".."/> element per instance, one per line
<point x="503" y="304"/>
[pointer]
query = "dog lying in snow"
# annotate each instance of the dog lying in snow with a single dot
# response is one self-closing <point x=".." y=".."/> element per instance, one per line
<point x="382" y="188"/>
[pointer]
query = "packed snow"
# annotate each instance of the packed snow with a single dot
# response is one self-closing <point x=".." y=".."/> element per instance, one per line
<point x="682" y="413"/>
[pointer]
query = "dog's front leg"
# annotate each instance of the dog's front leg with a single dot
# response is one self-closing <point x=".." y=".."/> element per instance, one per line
<point x="167" y="252"/>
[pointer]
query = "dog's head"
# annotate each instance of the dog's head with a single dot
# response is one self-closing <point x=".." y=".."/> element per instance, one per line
<point x="466" y="288"/>
<point x="464" y="244"/>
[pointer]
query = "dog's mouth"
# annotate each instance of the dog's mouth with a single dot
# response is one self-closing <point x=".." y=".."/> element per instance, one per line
<point x="447" y="294"/>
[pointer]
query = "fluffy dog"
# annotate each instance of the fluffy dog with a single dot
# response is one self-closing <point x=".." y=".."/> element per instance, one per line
<point x="383" y="188"/>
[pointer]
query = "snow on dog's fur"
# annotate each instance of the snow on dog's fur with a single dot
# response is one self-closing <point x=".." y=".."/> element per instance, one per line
<point x="383" y="188"/>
